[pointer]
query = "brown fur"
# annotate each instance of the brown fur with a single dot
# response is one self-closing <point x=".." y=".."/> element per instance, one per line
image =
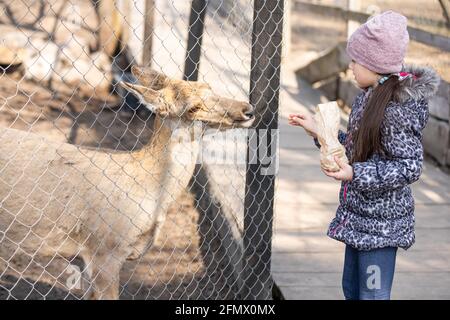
<point x="105" y="207"/>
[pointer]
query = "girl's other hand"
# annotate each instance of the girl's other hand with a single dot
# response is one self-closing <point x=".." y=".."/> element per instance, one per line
<point x="345" y="172"/>
<point x="305" y="121"/>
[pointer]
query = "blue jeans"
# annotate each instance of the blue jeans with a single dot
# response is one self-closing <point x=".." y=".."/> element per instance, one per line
<point x="368" y="275"/>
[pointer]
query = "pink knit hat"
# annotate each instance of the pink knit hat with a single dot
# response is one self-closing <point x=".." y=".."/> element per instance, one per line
<point x="380" y="44"/>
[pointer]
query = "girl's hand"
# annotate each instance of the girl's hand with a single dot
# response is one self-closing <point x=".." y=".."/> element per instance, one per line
<point x="306" y="121"/>
<point x="345" y="173"/>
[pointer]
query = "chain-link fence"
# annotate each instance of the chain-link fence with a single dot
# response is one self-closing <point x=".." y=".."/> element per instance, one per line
<point x="138" y="148"/>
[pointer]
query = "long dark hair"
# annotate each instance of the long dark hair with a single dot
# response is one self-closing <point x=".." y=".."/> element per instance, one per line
<point x="367" y="139"/>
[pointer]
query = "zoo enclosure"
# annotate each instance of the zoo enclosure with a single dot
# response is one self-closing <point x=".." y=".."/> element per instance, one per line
<point x="65" y="88"/>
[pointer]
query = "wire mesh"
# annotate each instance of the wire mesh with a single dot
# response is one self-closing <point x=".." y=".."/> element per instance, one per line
<point x="100" y="196"/>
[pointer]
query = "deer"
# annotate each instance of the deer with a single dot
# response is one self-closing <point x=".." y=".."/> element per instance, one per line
<point x="108" y="206"/>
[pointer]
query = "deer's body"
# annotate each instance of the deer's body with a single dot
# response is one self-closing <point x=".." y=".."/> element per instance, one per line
<point x="102" y="206"/>
<point x="59" y="198"/>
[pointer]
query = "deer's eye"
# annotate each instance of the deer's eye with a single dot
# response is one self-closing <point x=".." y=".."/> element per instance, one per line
<point x="194" y="109"/>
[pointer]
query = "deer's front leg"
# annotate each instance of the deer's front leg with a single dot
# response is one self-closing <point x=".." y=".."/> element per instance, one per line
<point x="106" y="277"/>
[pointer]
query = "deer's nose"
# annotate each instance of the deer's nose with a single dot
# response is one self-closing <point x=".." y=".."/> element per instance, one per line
<point x="250" y="112"/>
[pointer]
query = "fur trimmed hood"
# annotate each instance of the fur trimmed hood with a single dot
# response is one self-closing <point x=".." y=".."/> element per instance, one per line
<point x="424" y="87"/>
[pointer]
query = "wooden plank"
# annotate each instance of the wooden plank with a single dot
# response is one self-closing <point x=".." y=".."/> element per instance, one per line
<point x="112" y="25"/>
<point x="430" y="39"/>
<point x="328" y="64"/>
<point x="149" y="20"/>
<point x="260" y="185"/>
<point x="416" y="34"/>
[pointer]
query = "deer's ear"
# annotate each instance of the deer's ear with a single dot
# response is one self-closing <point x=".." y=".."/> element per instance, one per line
<point x="150" y="78"/>
<point x="152" y="99"/>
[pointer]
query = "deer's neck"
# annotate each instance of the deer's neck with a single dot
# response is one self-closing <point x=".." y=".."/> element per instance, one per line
<point x="169" y="159"/>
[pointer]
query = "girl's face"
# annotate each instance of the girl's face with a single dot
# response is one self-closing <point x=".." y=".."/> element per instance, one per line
<point x="363" y="76"/>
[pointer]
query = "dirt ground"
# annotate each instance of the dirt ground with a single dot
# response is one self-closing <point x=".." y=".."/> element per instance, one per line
<point x="314" y="32"/>
<point x="174" y="268"/>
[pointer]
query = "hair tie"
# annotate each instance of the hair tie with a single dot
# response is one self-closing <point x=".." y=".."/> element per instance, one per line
<point x="401" y="76"/>
<point x="405" y="75"/>
<point x="383" y="79"/>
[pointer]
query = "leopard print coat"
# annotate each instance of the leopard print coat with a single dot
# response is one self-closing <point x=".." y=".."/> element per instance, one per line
<point x="376" y="208"/>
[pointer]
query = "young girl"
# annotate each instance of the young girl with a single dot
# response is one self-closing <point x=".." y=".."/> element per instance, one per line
<point x="383" y="143"/>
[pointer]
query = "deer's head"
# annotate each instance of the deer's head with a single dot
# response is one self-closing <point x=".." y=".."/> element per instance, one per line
<point x="188" y="100"/>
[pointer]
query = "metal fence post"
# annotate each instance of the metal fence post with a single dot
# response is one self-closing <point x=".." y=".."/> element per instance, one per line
<point x="259" y="195"/>
<point x="194" y="44"/>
